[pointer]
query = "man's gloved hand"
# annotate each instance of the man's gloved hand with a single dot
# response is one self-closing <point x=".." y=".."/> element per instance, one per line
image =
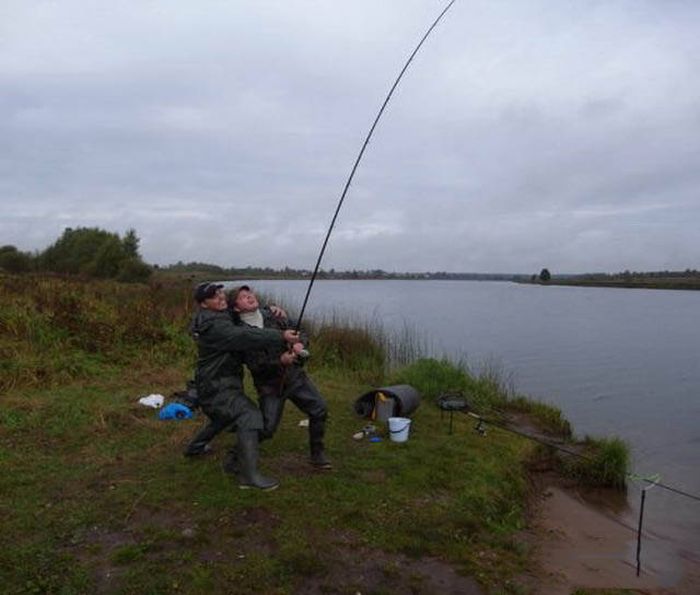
<point x="278" y="313"/>
<point x="300" y="351"/>
<point x="291" y="337"/>
<point x="288" y="358"/>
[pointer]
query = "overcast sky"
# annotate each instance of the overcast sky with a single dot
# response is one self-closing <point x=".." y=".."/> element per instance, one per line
<point x="525" y="134"/>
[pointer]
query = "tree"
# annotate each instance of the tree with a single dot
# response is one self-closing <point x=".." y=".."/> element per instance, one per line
<point x="14" y="261"/>
<point x="131" y="244"/>
<point x="107" y="260"/>
<point x="545" y="276"/>
<point x="133" y="270"/>
<point x="97" y="253"/>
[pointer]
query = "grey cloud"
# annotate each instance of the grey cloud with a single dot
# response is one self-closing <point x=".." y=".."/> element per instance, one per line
<point x="523" y="133"/>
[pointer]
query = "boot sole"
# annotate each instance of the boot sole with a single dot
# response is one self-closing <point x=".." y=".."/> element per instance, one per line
<point x="250" y="487"/>
<point x="199" y="454"/>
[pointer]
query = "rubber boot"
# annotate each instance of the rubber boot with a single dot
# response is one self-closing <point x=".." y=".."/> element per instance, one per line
<point x="317" y="430"/>
<point x="200" y="443"/>
<point x="231" y="464"/>
<point x="248" y="474"/>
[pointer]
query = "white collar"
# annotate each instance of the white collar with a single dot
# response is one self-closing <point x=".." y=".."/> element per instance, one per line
<point x="252" y="318"/>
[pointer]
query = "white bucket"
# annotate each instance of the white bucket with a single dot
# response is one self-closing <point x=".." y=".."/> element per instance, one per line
<point x="398" y="428"/>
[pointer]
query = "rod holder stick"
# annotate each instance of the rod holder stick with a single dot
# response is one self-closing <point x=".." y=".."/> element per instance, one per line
<point x="639" y="531"/>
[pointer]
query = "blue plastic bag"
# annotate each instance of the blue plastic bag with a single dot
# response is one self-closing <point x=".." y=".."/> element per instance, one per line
<point x="175" y="411"/>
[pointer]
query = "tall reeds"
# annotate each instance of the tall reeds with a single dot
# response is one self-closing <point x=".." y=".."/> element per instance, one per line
<point x="361" y="347"/>
<point x="54" y="329"/>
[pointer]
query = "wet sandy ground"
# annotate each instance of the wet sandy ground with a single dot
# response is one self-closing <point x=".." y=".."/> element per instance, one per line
<point x="582" y="546"/>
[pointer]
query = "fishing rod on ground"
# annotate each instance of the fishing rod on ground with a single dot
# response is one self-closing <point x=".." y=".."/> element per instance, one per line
<point x="652" y="481"/>
<point x="455" y="403"/>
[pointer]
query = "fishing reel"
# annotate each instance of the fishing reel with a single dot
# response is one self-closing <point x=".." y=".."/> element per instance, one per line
<point x="302" y="357"/>
<point x="480" y="427"/>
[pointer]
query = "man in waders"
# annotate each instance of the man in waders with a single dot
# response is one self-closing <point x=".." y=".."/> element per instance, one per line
<point x="278" y="375"/>
<point x="219" y="377"/>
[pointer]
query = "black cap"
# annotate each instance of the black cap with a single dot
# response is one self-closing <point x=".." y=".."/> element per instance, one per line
<point x="206" y="290"/>
<point x="233" y="294"/>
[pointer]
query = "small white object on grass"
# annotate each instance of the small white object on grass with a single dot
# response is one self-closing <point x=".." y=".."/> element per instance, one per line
<point x="155" y="401"/>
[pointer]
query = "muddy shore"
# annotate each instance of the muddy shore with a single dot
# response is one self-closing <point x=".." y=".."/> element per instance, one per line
<point x="579" y="544"/>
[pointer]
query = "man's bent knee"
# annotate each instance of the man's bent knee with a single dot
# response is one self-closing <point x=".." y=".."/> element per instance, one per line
<point x="250" y="420"/>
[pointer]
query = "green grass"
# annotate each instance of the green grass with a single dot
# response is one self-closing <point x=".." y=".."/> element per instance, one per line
<point x="362" y="348"/>
<point x="549" y="418"/>
<point x="604" y="462"/>
<point x="96" y="496"/>
<point x="635" y="282"/>
<point x="65" y="329"/>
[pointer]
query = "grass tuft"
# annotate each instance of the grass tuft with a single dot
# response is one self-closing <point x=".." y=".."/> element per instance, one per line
<point x="605" y="463"/>
<point x="550" y="419"/>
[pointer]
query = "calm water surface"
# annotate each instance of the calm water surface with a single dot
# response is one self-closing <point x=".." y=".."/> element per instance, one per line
<point x="622" y="362"/>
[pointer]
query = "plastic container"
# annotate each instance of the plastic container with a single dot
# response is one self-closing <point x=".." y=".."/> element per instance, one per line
<point x="388" y="401"/>
<point x="399" y="428"/>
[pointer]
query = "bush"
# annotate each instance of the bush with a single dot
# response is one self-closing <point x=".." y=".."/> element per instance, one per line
<point x="354" y="350"/>
<point x="96" y="253"/>
<point x="14" y="261"/>
<point x="359" y="346"/>
<point x="68" y="328"/>
<point x="549" y="418"/>
<point x="431" y="377"/>
<point x="133" y="270"/>
<point x="605" y="463"/>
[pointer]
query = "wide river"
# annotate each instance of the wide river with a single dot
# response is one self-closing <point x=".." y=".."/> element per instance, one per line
<point x="622" y="362"/>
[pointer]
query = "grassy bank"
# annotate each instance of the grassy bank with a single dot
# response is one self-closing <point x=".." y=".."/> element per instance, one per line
<point x="95" y="495"/>
<point x="688" y="283"/>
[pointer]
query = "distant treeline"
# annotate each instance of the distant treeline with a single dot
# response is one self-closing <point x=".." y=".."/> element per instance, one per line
<point x="96" y="253"/>
<point x="198" y="268"/>
<point x="687" y="279"/>
<point x="686" y="274"/>
<point x="86" y="251"/>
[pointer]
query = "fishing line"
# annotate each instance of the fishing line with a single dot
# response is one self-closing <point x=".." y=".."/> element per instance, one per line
<point x="359" y="158"/>
<point x="459" y="405"/>
<point x="652" y="481"/>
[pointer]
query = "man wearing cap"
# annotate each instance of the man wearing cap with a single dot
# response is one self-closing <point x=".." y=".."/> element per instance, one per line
<point x="277" y="375"/>
<point x="219" y="376"/>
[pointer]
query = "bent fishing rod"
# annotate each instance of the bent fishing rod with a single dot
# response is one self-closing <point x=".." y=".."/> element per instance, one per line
<point x="359" y="158"/>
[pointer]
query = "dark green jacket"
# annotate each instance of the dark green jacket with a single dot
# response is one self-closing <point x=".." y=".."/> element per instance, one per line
<point x="222" y="345"/>
<point x="264" y="364"/>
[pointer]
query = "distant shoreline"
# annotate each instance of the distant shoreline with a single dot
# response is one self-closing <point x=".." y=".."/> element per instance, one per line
<point x="690" y="282"/>
<point x="684" y="284"/>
